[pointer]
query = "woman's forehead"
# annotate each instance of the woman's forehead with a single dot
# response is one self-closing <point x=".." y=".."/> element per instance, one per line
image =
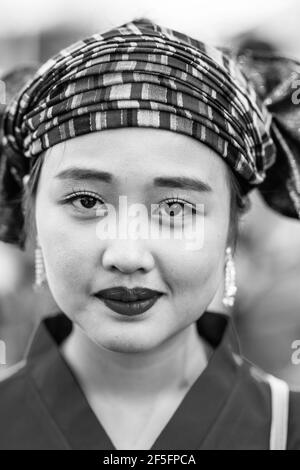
<point x="141" y="152"/>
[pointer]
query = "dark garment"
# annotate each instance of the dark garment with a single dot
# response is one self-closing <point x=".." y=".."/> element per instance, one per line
<point x="42" y="406"/>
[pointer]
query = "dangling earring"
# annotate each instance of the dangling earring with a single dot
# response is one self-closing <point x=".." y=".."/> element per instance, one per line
<point x="230" y="285"/>
<point x="40" y="274"/>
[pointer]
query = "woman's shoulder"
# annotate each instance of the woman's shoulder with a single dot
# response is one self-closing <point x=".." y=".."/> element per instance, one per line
<point x="258" y="387"/>
<point x="294" y="420"/>
<point x="13" y="404"/>
<point x="12" y="380"/>
<point x="25" y="422"/>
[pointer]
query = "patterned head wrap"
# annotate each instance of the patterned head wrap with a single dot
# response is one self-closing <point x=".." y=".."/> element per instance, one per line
<point x="144" y="75"/>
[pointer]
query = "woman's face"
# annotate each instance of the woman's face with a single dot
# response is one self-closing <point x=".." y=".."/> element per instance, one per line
<point x="145" y="166"/>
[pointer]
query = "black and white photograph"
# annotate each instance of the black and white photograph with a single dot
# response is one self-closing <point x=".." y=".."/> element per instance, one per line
<point x="149" y="227"/>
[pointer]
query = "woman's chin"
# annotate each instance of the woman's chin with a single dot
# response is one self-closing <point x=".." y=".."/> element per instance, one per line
<point x="126" y="338"/>
<point x="123" y="333"/>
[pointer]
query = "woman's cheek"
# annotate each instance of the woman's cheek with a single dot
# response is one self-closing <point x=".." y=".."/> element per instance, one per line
<point x="184" y="269"/>
<point x="197" y="271"/>
<point x="67" y="251"/>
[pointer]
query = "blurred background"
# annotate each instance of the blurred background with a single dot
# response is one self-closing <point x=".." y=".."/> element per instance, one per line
<point x="267" y="310"/>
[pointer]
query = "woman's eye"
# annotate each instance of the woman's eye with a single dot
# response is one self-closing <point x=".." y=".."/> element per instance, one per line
<point x="175" y="210"/>
<point x="87" y="203"/>
<point x="172" y="209"/>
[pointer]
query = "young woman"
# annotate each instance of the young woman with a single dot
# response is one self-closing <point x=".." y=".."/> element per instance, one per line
<point x="143" y="118"/>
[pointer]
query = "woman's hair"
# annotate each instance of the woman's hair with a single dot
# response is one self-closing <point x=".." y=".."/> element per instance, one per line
<point x="238" y="203"/>
<point x="29" y="198"/>
<point x="11" y="216"/>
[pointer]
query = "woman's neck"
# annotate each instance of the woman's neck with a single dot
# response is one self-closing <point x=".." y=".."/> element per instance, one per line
<point x="174" y="365"/>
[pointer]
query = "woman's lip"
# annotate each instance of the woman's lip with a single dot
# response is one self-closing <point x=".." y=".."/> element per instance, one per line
<point x="124" y="294"/>
<point x="130" y="308"/>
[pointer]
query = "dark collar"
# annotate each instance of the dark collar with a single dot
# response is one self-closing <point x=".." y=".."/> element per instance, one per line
<point x="68" y="406"/>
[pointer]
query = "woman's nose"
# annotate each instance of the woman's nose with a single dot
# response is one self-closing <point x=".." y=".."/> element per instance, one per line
<point x="127" y="257"/>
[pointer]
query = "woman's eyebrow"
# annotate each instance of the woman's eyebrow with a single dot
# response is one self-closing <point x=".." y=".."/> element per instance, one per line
<point x="75" y="173"/>
<point x="182" y="182"/>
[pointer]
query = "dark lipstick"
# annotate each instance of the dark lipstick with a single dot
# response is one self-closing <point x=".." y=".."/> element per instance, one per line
<point x="129" y="302"/>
